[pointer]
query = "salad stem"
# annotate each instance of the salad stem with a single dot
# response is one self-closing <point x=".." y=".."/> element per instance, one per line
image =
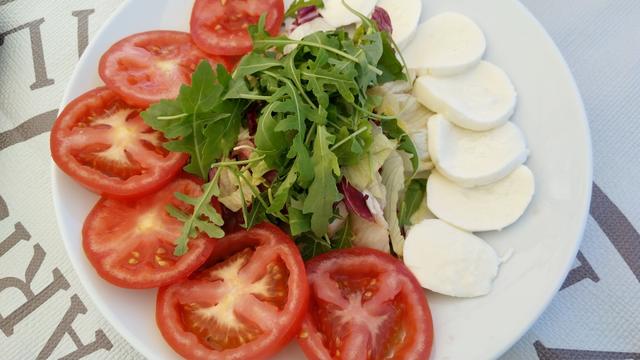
<point x="345" y="140"/>
<point x="173" y="117"/>
<point x="239" y="162"/>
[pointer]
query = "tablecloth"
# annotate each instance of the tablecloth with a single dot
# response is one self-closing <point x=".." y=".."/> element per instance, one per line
<point x="45" y="312"/>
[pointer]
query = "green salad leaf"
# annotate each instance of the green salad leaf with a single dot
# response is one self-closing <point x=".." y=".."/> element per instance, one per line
<point x="204" y="217"/>
<point x="393" y="131"/>
<point x="393" y="180"/>
<point x="323" y="192"/>
<point x="413" y="198"/>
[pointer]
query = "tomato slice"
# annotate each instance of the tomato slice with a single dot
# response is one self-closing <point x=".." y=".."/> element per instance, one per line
<point x="105" y="145"/>
<point x="147" y="67"/>
<point x="365" y="304"/>
<point x="219" y="27"/>
<point x="247" y="304"/>
<point x="131" y="243"/>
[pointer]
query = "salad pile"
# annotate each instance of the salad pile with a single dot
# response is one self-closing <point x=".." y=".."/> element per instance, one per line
<point x="284" y="136"/>
<point x="229" y="156"/>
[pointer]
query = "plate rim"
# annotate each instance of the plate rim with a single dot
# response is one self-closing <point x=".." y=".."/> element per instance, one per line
<point x="130" y="337"/>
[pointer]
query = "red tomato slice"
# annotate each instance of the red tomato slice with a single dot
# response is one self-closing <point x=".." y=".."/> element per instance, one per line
<point x="105" y="145"/>
<point x="365" y="304"/>
<point x="131" y="243"/>
<point x="219" y="27"/>
<point x="247" y="304"/>
<point x="147" y="67"/>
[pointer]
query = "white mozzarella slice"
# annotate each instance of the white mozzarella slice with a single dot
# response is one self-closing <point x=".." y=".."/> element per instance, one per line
<point x="450" y="261"/>
<point x="445" y="45"/>
<point x="404" y="16"/>
<point x="336" y="14"/>
<point x="483" y="208"/>
<point x="480" y="99"/>
<point x="308" y="28"/>
<point x="473" y="158"/>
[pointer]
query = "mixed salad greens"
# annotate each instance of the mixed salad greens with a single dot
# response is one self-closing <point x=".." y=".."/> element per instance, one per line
<point x="293" y="131"/>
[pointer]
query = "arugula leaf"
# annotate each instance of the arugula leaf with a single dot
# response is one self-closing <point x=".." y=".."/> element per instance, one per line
<point x="238" y="89"/>
<point x="299" y="4"/>
<point x="204" y="218"/>
<point x="299" y="222"/>
<point x="193" y="142"/>
<point x="222" y="135"/>
<point x="282" y="194"/>
<point x="372" y="45"/>
<point x="352" y="150"/>
<point x="413" y="197"/>
<point x="253" y="63"/>
<point x="323" y="192"/>
<point x="305" y="163"/>
<point x="269" y="142"/>
<point x="199" y="122"/>
<point x="392" y="69"/>
<point x="167" y="116"/>
<point x="293" y="73"/>
<point x="321" y="82"/>
<point x="297" y="109"/>
<point x="204" y="92"/>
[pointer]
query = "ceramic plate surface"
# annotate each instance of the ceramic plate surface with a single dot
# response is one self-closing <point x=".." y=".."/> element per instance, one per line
<point x="545" y="240"/>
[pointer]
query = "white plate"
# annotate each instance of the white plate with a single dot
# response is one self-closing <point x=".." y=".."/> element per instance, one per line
<point x="545" y="241"/>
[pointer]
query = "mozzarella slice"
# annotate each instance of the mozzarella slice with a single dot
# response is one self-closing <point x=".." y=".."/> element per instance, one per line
<point x="472" y="158"/>
<point x="450" y="261"/>
<point x="483" y="208"/>
<point x="308" y="28"/>
<point x="480" y="99"/>
<point x="336" y="14"/>
<point x="404" y="16"/>
<point x="445" y="45"/>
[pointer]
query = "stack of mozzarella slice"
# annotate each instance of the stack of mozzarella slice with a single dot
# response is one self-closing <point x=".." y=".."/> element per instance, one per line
<point x="480" y="182"/>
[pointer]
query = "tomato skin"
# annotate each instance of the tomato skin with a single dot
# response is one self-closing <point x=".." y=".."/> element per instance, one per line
<point x="415" y="316"/>
<point x="219" y="27"/>
<point x="130" y="243"/>
<point x="147" y="67"/>
<point x="284" y="327"/>
<point x="72" y="121"/>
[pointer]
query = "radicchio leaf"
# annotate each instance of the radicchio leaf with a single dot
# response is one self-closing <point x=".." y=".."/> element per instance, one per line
<point x="356" y="201"/>
<point x="305" y="15"/>
<point x="382" y="19"/>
